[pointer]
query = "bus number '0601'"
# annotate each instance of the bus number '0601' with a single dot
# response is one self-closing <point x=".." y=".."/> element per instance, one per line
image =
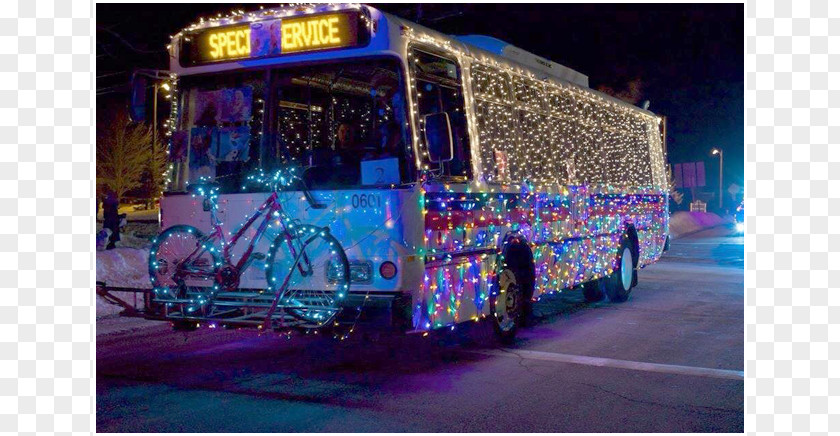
<point x="366" y="200"/>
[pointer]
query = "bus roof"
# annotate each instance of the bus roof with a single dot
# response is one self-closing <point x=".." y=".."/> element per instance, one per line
<point x="531" y="60"/>
<point x="475" y="45"/>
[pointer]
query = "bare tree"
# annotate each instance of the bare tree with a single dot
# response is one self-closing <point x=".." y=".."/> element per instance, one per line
<point x="123" y="151"/>
<point x="675" y="194"/>
<point x="631" y="91"/>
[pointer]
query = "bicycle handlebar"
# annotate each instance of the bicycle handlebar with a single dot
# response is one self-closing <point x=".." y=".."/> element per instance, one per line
<point x="210" y="190"/>
<point x="307" y="194"/>
<point x="283" y="180"/>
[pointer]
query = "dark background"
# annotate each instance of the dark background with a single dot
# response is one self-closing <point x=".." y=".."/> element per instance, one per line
<point x="687" y="60"/>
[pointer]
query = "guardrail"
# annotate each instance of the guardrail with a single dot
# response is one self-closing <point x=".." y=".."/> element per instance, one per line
<point x="697" y="206"/>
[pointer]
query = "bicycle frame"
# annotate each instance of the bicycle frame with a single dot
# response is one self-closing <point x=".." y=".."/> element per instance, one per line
<point x="270" y="207"/>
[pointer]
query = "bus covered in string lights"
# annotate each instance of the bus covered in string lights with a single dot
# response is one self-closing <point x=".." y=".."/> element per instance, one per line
<point x="463" y="178"/>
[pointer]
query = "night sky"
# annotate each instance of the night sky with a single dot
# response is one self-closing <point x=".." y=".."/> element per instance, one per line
<point x="688" y="60"/>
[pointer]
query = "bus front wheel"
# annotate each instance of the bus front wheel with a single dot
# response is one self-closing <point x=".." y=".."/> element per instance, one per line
<point x="507" y="305"/>
<point x="619" y="284"/>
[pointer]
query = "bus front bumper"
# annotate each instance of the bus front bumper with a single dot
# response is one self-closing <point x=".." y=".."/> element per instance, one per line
<point x="379" y="310"/>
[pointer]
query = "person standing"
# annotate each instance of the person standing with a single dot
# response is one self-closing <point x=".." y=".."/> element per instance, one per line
<point x="111" y="217"/>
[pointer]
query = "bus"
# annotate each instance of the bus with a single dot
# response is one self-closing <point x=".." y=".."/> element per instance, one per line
<point x="462" y="178"/>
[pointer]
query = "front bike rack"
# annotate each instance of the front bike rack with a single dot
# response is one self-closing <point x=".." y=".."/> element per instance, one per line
<point x="233" y="309"/>
<point x="130" y="308"/>
<point x="242" y="308"/>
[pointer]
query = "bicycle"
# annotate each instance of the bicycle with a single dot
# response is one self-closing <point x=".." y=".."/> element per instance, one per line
<point x="307" y="270"/>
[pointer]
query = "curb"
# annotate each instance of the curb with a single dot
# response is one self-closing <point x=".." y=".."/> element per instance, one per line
<point x="699" y="230"/>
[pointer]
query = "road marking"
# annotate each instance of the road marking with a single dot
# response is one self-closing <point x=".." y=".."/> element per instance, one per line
<point x="615" y="363"/>
<point x="705" y="243"/>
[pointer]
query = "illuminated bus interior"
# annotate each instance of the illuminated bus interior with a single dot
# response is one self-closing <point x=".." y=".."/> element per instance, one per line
<point x="346" y="122"/>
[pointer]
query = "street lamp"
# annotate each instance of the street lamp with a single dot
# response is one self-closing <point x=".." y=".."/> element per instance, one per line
<point x="157" y="88"/>
<point x="718" y="152"/>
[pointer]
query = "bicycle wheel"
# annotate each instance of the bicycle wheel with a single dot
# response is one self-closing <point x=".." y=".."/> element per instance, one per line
<point x="182" y="270"/>
<point x="310" y="271"/>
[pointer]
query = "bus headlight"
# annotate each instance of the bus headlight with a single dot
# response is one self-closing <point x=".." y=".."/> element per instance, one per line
<point x="335" y="271"/>
<point x="360" y="271"/>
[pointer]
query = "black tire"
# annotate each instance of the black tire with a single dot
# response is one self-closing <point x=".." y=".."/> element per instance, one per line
<point x="322" y="252"/>
<point x="592" y="291"/>
<point x="618" y="285"/>
<point x="172" y="245"/>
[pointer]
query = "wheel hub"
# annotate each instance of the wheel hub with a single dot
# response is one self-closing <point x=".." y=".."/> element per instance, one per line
<point x="510" y="301"/>
<point x="506" y="313"/>
<point x="162" y="266"/>
<point x="626" y="269"/>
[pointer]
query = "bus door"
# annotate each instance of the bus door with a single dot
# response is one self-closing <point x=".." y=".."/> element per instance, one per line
<point x="437" y="89"/>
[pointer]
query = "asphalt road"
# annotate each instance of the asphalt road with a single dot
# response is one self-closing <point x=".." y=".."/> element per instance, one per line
<point x="670" y="359"/>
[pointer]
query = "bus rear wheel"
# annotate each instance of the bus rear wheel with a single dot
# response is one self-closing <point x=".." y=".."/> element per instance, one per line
<point x="619" y="284"/>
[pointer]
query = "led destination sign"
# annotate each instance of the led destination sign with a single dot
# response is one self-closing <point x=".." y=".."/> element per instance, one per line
<point x="273" y="38"/>
<point x="316" y="33"/>
<point x="227" y="43"/>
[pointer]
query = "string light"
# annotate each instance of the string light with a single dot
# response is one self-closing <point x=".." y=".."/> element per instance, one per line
<point x="547" y="140"/>
<point x="558" y="164"/>
<point x="284" y="10"/>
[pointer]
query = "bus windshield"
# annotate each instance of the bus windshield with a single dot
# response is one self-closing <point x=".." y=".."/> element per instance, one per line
<point x="346" y="122"/>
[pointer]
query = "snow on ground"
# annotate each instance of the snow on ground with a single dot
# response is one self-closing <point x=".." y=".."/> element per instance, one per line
<point x="127" y="265"/>
<point x="133" y="214"/>
<point x="141" y="226"/>
<point x="683" y="222"/>
<point x="105" y="309"/>
<point x="136" y="234"/>
<point x="124" y="268"/>
<point x="112" y="325"/>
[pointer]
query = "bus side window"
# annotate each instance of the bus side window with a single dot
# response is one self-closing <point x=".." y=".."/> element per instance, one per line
<point x="438" y="89"/>
<point x="494" y="123"/>
<point x="533" y="129"/>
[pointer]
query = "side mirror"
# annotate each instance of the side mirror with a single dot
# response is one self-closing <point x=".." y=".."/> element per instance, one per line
<point x="438" y="133"/>
<point x="137" y="110"/>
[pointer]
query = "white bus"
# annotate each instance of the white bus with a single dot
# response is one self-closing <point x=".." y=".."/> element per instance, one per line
<point x="462" y="177"/>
